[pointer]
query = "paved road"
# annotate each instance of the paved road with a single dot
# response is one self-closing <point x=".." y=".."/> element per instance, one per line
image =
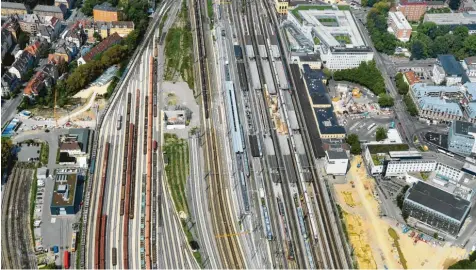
<point x="9" y="108"/>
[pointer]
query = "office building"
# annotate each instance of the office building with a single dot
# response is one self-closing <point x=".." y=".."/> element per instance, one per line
<point x="449" y="70"/>
<point x="435" y="207"/>
<point x="399" y="26"/>
<point x="395" y="159"/>
<point x="469" y="65"/>
<point x="454" y="19"/>
<point x="67" y="192"/>
<point x="105" y="12"/>
<point x="337" y="162"/>
<point x="461" y="138"/>
<point x="334" y="34"/>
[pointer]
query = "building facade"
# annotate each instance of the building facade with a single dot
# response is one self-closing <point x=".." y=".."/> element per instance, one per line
<point x="413" y="10"/>
<point x="399" y="26"/>
<point x="281" y="6"/>
<point x="461" y="138"/>
<point x="334" y="34"/>
<point x="336" y="162"/>
<point x="435" y="207"/>
<point x="55" y="11"/>
<point x="105" y="12"/>
<point x="67" y="192"/>
<point x="11" y="8"/>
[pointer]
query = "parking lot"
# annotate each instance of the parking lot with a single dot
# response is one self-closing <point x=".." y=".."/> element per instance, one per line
<point x="360" y="126"/>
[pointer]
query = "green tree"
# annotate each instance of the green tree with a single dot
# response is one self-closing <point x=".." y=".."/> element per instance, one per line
<point x="384" y="100"/>
<point x="366" y="74"/>
<point x="7" y="155"/>
<point x="461" y="31"/>
<point x="470" y="45"/>
<point x="418" y="50"/>
<point x="23" y="39"/>
<point x="381" y="134"/>
<point x="354" y="142"/>
<point x="411" y="107"/>
<point x="97" y="36"/>
<point x="454" y="4"/>
<point x="88" y="6"/>
<point x="402" y="86"/>
<point x="463" y="264"/>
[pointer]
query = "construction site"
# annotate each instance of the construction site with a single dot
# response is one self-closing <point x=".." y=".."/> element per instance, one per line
<point x="379" y="242"/>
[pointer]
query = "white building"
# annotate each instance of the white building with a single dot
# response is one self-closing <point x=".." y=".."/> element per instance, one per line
<point x="337" y="162"/>
<point x="401" y="167"/>
<point x="42" y="173"/>
<point x="334" y="34"/>
<point x="399" y="26"/>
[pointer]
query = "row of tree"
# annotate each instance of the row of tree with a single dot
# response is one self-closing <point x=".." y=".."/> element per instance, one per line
<point x="366" y="74"/>
<point x="377" y="26"/>
<point x="354" y="142"/>
<point x="411" y="107"/>
<point x="469" y="263"/>
<point x="402" y="86"/>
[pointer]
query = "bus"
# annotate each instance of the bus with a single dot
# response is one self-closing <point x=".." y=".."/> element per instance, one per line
<point x="371" y="126"/>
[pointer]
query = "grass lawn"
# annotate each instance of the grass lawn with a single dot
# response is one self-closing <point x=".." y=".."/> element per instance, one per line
<point x="317" y="41"/>
<point x="343" y="38"/>
<point x="210" y="12"/>
<point x="395" y="238"/>
<point x="44" y="151"/>
<point x="295" y="11"/>
<point x="177" y="169"/>
<point x="178" y="49"/>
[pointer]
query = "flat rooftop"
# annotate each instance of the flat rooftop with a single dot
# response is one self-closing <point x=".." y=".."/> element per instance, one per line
<point x="316" y="89"/>
<point x="451" y="18"/>
<point x="386" y="148"/>
<point x="327" y="121"/>
<point x="62" y="182"/>
<point x="333" y="27"/>
<point x="439" y="200"/>
<point x="399" y="19"/>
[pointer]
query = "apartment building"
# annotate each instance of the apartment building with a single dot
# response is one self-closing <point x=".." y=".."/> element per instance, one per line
<point x="413" y="10"/>
<point x="42" y="10"/>
<point x="281" y="6"/>
<point x="399" y="26"/>
<point x="11" y="8"/>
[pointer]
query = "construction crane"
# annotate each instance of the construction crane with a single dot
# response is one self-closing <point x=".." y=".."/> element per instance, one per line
<point x="231" y="234"/>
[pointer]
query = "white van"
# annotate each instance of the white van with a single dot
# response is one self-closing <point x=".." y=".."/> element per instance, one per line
<point x="41" y="183"/>
<point x="37" y="223"/>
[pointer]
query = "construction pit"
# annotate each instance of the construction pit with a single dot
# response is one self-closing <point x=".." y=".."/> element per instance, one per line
<point x="379" y="242"/>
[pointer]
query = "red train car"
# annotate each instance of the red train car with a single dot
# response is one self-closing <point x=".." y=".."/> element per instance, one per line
<point x="66" y="259"/>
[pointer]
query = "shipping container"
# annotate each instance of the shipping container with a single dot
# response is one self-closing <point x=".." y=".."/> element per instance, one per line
<point x="238" y="52"/>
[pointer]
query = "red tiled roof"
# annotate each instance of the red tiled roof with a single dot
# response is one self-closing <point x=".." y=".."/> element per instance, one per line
<point x="102" y="46"/>
<point x="411" y="77"/>
<point x="34" y="83"/>
<point x="69" y="146"/>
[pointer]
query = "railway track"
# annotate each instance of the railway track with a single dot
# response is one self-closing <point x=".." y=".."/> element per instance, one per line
<point x="16" y="244"/>
<point x="223" y="223"/>
<point x="335" y="259"/>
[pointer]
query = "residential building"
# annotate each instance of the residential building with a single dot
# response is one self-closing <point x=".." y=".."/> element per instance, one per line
<point x="461" y="138"/>
<point x="281" y="6"/>
<point x="469" y="64"/>
<point x="7" y="42"/>
<point x="35" y="85"/>
<point x="37" y="48"/>
<point x="13" y="26"/>
<point x="21" y="65"/>
<point x="122" y="28"/>
<point x="56" y="11"/>
<point x="435" y="207"/>
<point x="410" y="78"/>
<point x="467" y="19"/>
<point x="67" y="192"/>
<point x="100" y="48"/>
<point x="75" y="34"/>
<point x="11" y="8"/>
<point x="68" y="4"/>
<point x="65" y="50"/>
<point x="334" y="34"/>
<point x="399" y="26"/>
<point x="450" y="70"/>
<point x="9" y="83"/>
<point x="413" y="10"/>
<point x="29" y="23"/>
<point x="105" y="12"/>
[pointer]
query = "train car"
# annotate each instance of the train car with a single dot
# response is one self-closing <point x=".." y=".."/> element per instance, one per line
<point x="268" y="77"/>
<point x="301" y="222"/>
<point x="269" y="233"/>
<point x="238" y="52"/>
<point x="66" y="259"/>
<point x="235" y="127"/>
<point x="73" y="242"/>
<point x="114" y="256"/>
<point x="244" y="192"/>
<point x="92" y="166"/>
